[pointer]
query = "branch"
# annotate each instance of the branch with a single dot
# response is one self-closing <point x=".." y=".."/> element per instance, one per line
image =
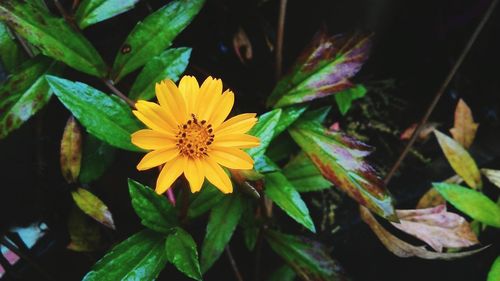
<point x="117" y="92"/>
<point x="279" y="39"/>
<point x="233" y="264"/>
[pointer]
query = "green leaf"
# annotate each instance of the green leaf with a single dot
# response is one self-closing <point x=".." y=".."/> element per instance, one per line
<point x="265" y="165"/>
<point x="304" y="175"/>
<point x="264" y="129"/>
<point x="11" y="54"/>
<point x="52" y="35"/>
<point x="71" y="151"/>
<point x="221" y="225"/>
<point x="24" y="93"/>
<point x="283" y="273"/>
<point x="204" y="200"/>
<point x="250" y="226"/>
<point x="169" y="65"/>
<point x="140" y="257"/>
<point x="288" y="116"/>
<point x="494" y="274"/>
<point x="97" y="157"/>
<point x="345" y="98"/>
<point x="318" y="115"/>
<point x="460" y="160"/>
<point x="181" y="252"/>
<point x="281" y="191"/>
<point x="152" y="36"/>
<point x="106" y="117"/>
<point x="93" y="11"/>
<point x="93" y="206"/>
<point x="471" y="202"/>
<point x="323" y="69"/>
<point x="154" y="210"/>
<point x="340" y="160"/>
<point x="307" y="257"/>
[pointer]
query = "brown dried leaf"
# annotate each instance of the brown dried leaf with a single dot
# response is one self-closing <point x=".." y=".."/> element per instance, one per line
<point x="71" y="151"/>
<point x="437" y="227"/>
<point x="432" y="198"/>
<point x="464" y="130"/>
<point x="424" y="132"/>
<point x="242" y="46"/>
<point x="404" y="250"/>
<point x="492" y="175"/>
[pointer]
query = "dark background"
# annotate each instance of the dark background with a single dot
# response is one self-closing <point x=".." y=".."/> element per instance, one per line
<point x="415" y="45"/>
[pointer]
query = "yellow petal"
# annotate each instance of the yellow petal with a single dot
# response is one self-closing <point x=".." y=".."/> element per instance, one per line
<point x="157" y="157"/>
<point x="222" y="109"/>
<point x="171" y="100"/>
<point x="150" y="123"/>
<point x="157" y="114"/>
<point x="232" y="158"/>
<point x="236" y="140"/>
<point x="209" y="97"/>
<point x="216" y="175"/>
<point x="150" y="139"/>
<point x="238" y="124"/>
<point x="170" y="172"/>
<point x="189" y="88"/>
<point x="194" y="174"/>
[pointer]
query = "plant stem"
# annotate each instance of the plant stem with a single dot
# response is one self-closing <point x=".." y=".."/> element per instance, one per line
<point x="279" y="39"/>
<point x="69" y="18"/>
<point x="441" y="90"/>
<point x="117" y="92"/>
<point x="233" y="264"/>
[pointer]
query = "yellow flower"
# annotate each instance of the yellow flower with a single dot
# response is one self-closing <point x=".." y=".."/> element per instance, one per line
<point x="188" y="134"/>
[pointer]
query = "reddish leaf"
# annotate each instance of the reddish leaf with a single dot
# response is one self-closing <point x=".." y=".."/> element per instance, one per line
<point x="405" y="250"/>
<point x="437" y="227"/>
<point x="71" y="151"/>
<point x="464" y="130"/>
<point x="323" y="69"/>
<point x="341" y="161"/>
<point x="242" y="46"/>
<point x="424" y="132"/>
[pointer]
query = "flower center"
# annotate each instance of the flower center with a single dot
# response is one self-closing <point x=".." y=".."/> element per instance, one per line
<point x="194" y="137"/>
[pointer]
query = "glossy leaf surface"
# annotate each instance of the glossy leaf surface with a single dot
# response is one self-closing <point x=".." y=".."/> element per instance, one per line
<point x="304" y="175"/>
<point x="93" y="11"/>
<point x="181" y="252"/>
<point x="264" y="130"/>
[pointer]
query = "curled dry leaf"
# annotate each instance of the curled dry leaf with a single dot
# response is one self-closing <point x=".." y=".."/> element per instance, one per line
<point x="437" y="227"/>
<point x="464" y="129"/>
<point x="432" y="198"/>
<point x="242" y="46"/>
<point x="424" y="132"/>
<point x="402" y="249"/>
<point x="492" y="175"/>
<point x="71" y="151"/>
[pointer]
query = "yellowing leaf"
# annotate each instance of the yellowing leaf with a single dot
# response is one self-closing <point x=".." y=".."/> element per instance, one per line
<point x="437" y="227"/>
<point x="405" y="250"/>
<point x="71" y="151"/>
<point x="464" y="130"/>
<point x="492" y="175"/>
<point x="93" y="206"/>
<point x="432" y="198"/>
<point x="460" y="160"/>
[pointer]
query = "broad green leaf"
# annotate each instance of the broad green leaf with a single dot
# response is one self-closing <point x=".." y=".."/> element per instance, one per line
<point x="249" y="225"/>
<point x="471" y="202"/>
<point x="281" y="192"/>
<point x="304" y="175"/>
<point x="204" y="200"/>
<point x="265" y="165"/>
<point x="71" y="151"/>
<point x="97" y="157"/>
<point x="93" y="206"/>
<point x="52" y="35"/>
<point x="308" y="258"/>
<point x="152" y="36"/>
<point x="283" y="273"/>
<point x="154" y="210"/>
<point x="340" y="160"/>
<point x="169" y="65"/>
<point x="221" y="225"/>
<point x="264" y="129"/>
<point x="84" y="232"/>
<point x="181" y="252"/>
<point x="11" y="54"/>
<point x="24" y="93"/>
<point x="494" y="273"/>
<point x="288" y="116"/>
<point x="318" y="115"/>
<point x="140" y="257"/>
<point x="93" y="11"/>
<point x="345" y="98"/>
<point x="460" y="160"/>
<point x="106" y="117"/>
<point x="323" y="69"/>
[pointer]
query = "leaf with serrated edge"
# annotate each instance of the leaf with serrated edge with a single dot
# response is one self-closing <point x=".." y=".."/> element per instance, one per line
<point x="460" y="160"/>
<point x="93" y="11"/>
<point x="464" y="129"/>
<point x="93" y="206"/>
<point x="181" y="252"/>
<point x="71" y="151"/>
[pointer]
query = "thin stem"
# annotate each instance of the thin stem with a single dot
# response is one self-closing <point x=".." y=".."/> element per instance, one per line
<point x="75" y="5"/>
<point x="233" y="264"/>
<point x="69" y="19"/>
<point x="279" y="38"/>
<point x="117" y="92"/>
<point x="441" y="90"/>
<point x="24" y="45"/>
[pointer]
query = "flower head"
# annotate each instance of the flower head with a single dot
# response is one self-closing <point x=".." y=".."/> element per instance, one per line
<point x="187" y="133"/>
